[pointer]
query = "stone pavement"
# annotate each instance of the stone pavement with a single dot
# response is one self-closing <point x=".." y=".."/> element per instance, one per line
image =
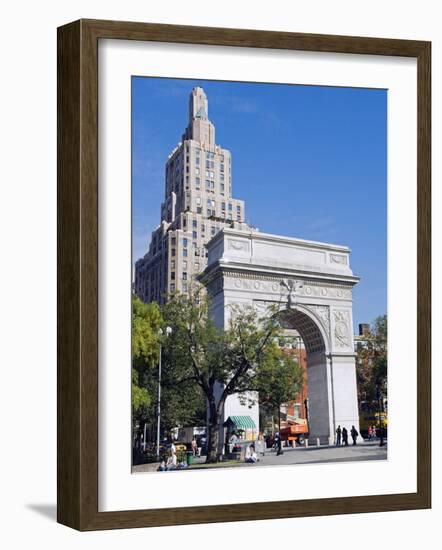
<point x="300" y="455"/>
<point x="310" y="455"/>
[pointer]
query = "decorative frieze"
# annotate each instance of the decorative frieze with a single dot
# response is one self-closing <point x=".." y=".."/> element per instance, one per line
<point x="252" y="284"/>
<point x="341" y="332"/>
<point x="323" y="312"/>
<point x="338" y="259"/>
<point x="278" y="286"/>
<point x="234" y="244"/>
<point x="325" y="292"/>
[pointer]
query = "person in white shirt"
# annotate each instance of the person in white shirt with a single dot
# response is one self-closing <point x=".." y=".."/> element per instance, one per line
<point x="171" y="462"/>
<point x="251" y="455"/>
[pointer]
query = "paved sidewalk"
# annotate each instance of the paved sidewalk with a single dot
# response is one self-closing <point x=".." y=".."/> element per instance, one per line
<point x="325" y="454"/>
<point x="300" y="455"/>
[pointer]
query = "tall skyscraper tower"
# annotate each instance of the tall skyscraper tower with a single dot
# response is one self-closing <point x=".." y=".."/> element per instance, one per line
<point x="197" y="204"/>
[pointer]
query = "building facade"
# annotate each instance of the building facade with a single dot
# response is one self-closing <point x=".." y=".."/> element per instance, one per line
<point x="197" y="204"/>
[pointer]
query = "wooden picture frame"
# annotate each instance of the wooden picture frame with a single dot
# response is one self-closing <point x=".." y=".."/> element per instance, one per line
<point x="77" y="461"/>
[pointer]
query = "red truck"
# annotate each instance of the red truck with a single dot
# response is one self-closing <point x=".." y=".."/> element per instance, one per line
<point x="297" y="430"/>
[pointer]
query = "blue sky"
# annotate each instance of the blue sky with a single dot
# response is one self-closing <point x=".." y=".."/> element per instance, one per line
<point x="323" y="175"/>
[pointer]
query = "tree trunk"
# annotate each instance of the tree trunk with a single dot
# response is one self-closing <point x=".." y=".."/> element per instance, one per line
<point x="213" y="453"/>
<point x="280" y="451"/>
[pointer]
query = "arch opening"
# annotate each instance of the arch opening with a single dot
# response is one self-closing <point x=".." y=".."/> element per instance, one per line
<point x="306" y="327"/>
<point x="317" y="385"/>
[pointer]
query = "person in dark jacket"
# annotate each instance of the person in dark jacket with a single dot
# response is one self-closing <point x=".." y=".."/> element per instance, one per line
<point x="354" y="434"/>
<point x="345" y="436"/>
<point x="278" y="444"/>
<point x="338" y="436"/>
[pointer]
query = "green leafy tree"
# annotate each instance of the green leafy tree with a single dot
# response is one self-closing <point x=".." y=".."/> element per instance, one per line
<point x="146" y="322"/>
<point x="372" y="365"/>
<point x="280" y="379"/>
<point x="219" y="362"/>
<point x="181" y="405"/>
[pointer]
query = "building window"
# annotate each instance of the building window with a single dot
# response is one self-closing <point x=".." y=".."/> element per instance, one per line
<point x="223" y="206"/>
<point x="221" y="167"/>
<point x="197" y="159"/>
<point x="198" y="200"/>
<point x="197" y="182"/>
<point x="194" y="235"/>
<point x="230" y="206"/>
<point x="199" y="210"/>
<point x="194" y="223"/>
<point x="212" y="231"/>
<point x="173" y="241"/>
<point x="185" y="252"/>
<point x="197" y="266"/>
<point x="172" y="251"/>
<point x="172" y="264"/>
<point x="184" y="275"/>
<point x="197" y="171"/>
<point x="184" y="285"/>
<point x="184" y="242"/>
<point x="184" y="264"/>
<point x="172" y="288"/>
<point x="172" y="275"/>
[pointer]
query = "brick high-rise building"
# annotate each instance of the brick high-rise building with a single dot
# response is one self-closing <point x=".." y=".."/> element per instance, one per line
<point x="197" y="204"/>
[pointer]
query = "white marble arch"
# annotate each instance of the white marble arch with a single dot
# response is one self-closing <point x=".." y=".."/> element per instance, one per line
<point x="310" y="283"/>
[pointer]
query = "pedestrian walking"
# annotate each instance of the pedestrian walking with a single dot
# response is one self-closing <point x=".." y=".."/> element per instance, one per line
<point x="338" y="436"/>
<point x="172" y="447"/>
<point x="373" y="432"/>
<point x="278" y="444"/>
<point x="381" y="436"/>
<point x="345" y="436"/>
<point x="232" y="441"/>
<point x="194" y="447"/>
<point x="370" y="433"/>
<point x="354" y="434"/>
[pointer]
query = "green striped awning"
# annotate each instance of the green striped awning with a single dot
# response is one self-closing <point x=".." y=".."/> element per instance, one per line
<point x="241" y="422"/>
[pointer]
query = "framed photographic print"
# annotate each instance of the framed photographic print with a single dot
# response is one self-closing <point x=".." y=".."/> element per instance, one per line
<point x="243" y="243"/>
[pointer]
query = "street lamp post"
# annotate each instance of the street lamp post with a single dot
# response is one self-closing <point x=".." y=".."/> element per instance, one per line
<point x="160" y="333"/>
